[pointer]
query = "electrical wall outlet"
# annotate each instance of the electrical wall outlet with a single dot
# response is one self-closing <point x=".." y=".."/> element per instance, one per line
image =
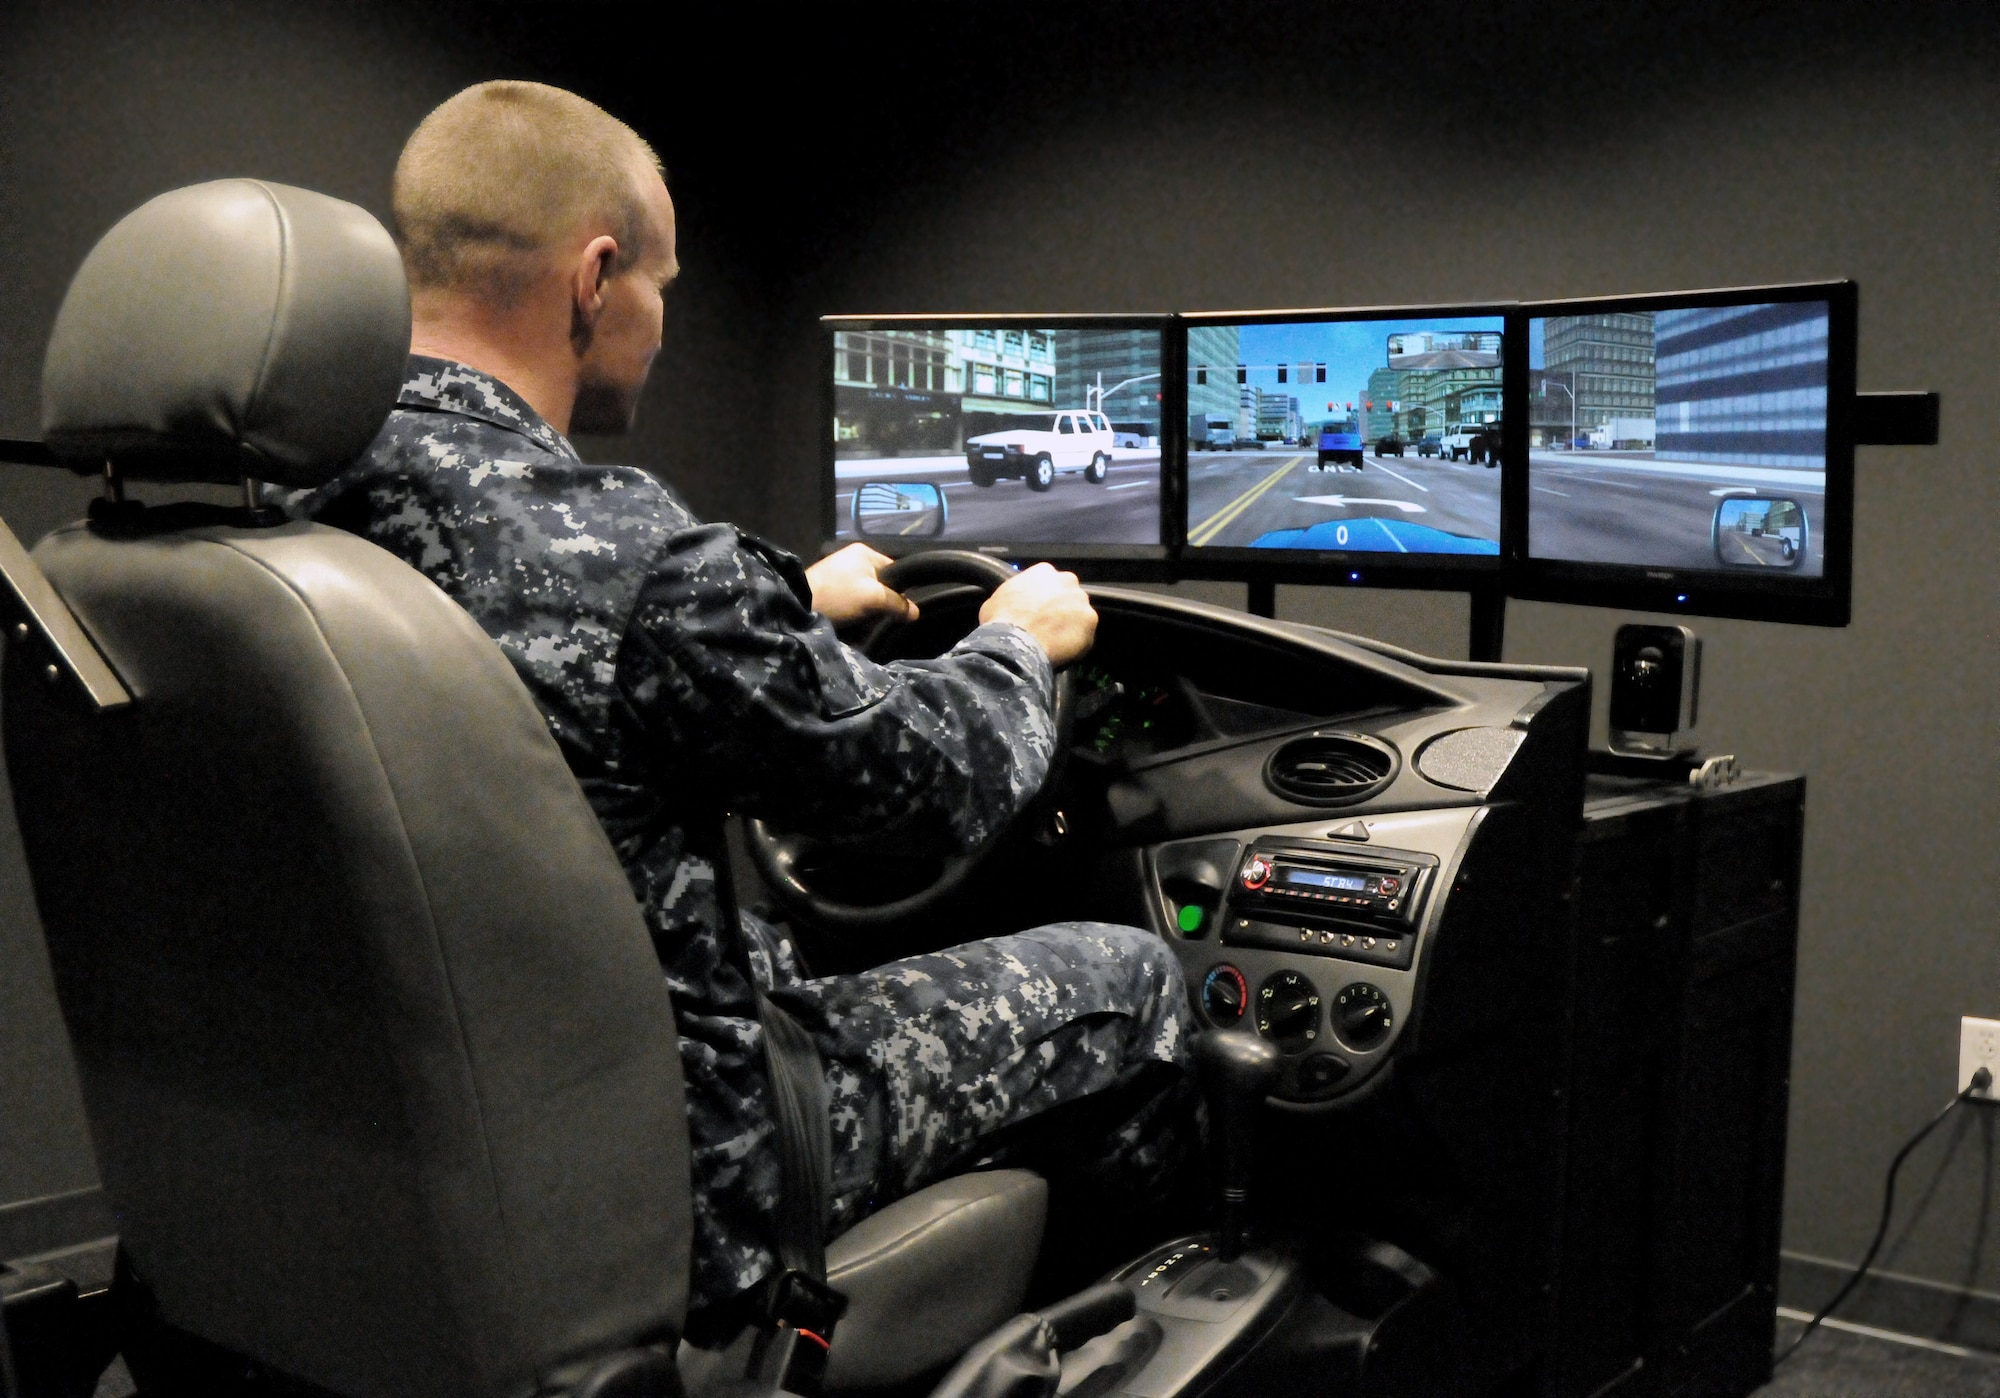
<point x="1979" y="1047"/>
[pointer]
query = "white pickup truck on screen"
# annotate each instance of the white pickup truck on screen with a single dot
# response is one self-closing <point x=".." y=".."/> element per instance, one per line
<point x="1071" y="441"/>
<point x="1474" y="441"/>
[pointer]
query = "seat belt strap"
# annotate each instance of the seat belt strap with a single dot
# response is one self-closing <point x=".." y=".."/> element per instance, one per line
<point x="799" y="1109"/>
<point x="798" y="1309"/>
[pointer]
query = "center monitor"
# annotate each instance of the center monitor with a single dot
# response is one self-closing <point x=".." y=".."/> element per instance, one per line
<point x="1026" y="437"/>
<point x="1346" y="446"/>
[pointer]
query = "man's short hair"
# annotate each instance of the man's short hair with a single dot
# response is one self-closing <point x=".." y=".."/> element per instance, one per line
<point x="502" y="173"/>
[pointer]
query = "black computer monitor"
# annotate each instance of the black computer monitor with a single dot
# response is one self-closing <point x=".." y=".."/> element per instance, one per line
<point x="1690" y="452"/>
<point x="1043" y="436"/>
<point x="1359" y="447"/>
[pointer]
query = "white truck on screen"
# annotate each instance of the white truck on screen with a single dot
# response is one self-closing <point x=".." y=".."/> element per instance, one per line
<point x="1212" y="432"/>
<point x="1621" y="434"/>
<point x="1474" y="441"/>
<point x="1071" y="441"/>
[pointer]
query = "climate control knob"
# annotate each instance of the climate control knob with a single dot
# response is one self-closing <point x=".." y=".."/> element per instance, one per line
<point x="1288" y="1010"/>
<point x="1362" y="1015"/>
<point x="1224" y="993"/>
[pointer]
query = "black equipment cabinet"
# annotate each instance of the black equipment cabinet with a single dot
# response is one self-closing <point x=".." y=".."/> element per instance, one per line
<point x="1685" y="907"/>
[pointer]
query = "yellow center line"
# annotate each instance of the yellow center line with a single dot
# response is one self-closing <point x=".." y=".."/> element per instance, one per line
<point x="1223" y="517"/>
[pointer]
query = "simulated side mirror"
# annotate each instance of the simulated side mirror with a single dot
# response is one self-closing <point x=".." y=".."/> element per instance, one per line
<point x="891" y="509"/>
<point x="1759" y="531"/>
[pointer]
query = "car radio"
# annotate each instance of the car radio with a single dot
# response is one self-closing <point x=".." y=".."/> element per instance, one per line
<point x="1329" y="900"/>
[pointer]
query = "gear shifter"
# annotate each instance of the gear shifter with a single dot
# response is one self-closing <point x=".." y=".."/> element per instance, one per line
<point x="1237" y="1072"/>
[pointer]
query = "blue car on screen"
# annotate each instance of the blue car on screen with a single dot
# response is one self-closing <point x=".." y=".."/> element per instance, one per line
<point x="1339" y="444"/>
<point x="1372" y="535"/>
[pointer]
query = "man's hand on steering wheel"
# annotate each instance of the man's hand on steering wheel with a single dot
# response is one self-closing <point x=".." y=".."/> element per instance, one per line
<point x="1050" y="606"/>
<point x="847" y="588"/>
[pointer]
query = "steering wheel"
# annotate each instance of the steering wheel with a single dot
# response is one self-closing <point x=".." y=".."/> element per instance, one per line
<point x="780" y="857"/>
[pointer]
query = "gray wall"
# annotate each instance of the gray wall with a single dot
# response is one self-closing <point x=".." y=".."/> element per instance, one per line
<point x="1183" y="157"/>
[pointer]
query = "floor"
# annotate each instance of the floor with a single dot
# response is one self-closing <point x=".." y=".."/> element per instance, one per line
<point x="1839" y="1363"/>
<point x="1834" y="1363"/>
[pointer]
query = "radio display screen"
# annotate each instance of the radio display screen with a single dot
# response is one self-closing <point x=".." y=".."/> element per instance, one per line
<point x="1313" y="878"/>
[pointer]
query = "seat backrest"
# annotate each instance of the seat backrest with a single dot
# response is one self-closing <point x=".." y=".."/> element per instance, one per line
<point x="377" y="1056"/>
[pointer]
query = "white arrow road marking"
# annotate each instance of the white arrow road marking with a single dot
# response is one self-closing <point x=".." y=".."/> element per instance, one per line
<point x="1733" y="490"/>
<point x="1343" y="501"/>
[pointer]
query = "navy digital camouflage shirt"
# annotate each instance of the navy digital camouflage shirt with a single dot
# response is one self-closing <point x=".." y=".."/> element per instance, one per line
<point x="685" y="675"/>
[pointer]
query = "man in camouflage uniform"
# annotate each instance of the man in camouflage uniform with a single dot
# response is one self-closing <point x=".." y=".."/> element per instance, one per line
<point x="689" y="669"/>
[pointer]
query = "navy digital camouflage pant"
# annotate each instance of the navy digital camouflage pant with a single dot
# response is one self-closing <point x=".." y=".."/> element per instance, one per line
<point x="941" y="1062"/>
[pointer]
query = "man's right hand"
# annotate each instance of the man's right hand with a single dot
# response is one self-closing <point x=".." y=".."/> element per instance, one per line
<point x="1050" y="606"/>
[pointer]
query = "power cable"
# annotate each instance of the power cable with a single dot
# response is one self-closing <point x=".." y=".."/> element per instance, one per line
<point x="1981" y="1080"/>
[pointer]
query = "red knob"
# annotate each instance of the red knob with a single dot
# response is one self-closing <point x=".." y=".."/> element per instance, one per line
<point x="1257" y="872"/>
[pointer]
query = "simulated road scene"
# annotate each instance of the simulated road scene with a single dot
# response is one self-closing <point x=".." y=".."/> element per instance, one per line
<point x="1634" y="507"/>
<point x="1685" y="438"/>
<point x="1365" y="436"/>
<point x="998" y="434"/>
<point x="1281" y="499"/>
<point x="1123" y="508"/>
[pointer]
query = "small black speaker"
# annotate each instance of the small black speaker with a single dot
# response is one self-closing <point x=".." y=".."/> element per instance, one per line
<point x="1655" y="687"/>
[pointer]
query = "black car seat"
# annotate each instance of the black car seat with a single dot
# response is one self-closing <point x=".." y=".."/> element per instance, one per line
<point x="378" y="1061"/>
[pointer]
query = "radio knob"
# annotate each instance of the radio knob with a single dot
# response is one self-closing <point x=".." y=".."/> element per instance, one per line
<point x="1391" y="885"/>
<point x="1257" y="872"/>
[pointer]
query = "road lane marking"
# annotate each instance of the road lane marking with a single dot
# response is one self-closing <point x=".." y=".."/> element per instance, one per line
<point x="1130" y="485"/>
<point x="1546" y="491"/>
<point x="1343" y="501"/>
<point x="1403" y="478"/>
<point x="1216" y="522"/>
<point x="1733" y="490"/>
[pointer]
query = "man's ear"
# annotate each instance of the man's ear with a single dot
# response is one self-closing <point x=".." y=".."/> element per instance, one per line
<point x="594" y="264"/>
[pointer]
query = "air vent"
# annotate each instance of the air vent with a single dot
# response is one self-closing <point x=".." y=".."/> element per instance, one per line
<point x="1330" y="769"/>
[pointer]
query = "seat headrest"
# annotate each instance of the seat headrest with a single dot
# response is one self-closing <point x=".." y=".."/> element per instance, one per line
<point x="228" y="329"/>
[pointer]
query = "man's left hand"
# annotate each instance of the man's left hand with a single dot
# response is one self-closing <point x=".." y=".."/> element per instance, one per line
<point x="846" y="589"/>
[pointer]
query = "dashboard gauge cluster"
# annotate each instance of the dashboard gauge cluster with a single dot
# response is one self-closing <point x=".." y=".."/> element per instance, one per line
<point x="1123" y="716"/>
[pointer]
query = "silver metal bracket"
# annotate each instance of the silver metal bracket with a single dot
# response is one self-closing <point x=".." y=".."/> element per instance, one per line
<point x="44" y="632"/>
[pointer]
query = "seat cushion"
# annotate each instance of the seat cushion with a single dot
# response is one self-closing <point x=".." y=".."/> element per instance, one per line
<point x="932" y="1273"/>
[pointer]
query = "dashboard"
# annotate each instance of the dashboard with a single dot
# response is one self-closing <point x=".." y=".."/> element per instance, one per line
<point x="1342" y="841"/>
